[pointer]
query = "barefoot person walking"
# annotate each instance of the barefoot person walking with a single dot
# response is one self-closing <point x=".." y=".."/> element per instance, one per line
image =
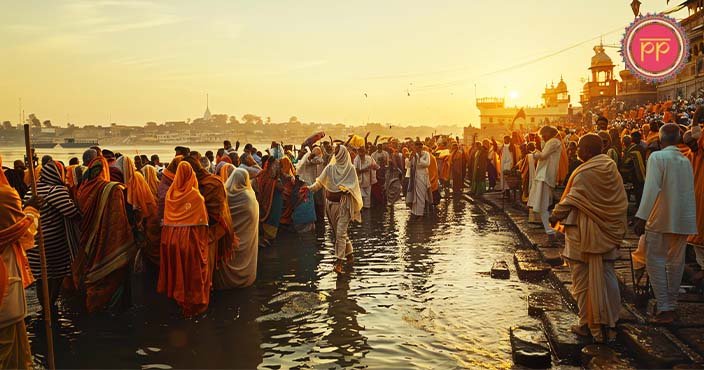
<point x="344" y="201"/>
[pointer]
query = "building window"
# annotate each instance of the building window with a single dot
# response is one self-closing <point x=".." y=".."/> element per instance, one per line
<point x="491" y="120"/>
<point x="532" y="119"/>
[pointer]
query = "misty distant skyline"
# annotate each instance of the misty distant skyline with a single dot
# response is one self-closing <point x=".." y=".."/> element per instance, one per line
<point x="135" y="61"/>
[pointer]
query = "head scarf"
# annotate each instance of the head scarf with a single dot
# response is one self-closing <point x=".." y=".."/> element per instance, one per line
<point x="225" y="161"/>
<point x="150" y="176"/>
<point x="238" y="182"/>
<point x="139" y="195"/>
<point x="266" y="185"/>
<point x="277" y="151"/>
<point x="287" y="167"/>
<point x="184" y="204"/>
<point x="340" y="175"/>
<point x="225" y="171"/>
<point x="49" y="175"/>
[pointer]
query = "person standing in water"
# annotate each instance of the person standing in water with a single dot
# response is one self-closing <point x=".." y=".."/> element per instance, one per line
<point x="344" y="201"/>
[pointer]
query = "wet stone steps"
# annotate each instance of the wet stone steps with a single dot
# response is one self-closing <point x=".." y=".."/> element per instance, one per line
<point x="693" y="337"/>
<point x="530" y="265"/>
<point x="603" y="357"/>
<point x="689" y="314"/>
<point x="499" y="270"/>
<point x="552" y="256"/>
<point x="540" y="302"/>
<point x="566" y="345"/>
<point x="529" y="347"/>
<point x="652" y="347"/>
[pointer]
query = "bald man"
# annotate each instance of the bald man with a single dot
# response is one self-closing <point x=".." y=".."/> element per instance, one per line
<point x="548" y="158"/>
<point x="667" y="216"/>
<point x="593" y="214"/>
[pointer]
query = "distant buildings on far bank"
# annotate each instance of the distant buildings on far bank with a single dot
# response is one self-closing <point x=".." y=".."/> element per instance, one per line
<point x="209" y="129"/>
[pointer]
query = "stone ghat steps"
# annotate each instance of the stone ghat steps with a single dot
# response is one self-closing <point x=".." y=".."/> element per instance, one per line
<point x="680" y="345"/>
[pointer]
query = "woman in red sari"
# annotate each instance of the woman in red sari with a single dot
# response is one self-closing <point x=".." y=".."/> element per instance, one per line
<point x="101" y="267"/>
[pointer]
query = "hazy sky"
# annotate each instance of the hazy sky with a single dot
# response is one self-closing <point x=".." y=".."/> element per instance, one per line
<point x="136" y="60"/>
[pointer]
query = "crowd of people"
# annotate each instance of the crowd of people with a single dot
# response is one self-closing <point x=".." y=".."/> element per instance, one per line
<point x="201" y="218"/>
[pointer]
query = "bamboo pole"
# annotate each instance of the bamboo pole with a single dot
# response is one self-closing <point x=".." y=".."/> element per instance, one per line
<point x="42" y="256"/>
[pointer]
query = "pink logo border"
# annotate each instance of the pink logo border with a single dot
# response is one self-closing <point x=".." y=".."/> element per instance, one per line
<point x="663" y="20"/>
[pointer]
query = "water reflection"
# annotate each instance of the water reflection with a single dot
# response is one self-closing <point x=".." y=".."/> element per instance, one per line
<point x="417" y="297"/>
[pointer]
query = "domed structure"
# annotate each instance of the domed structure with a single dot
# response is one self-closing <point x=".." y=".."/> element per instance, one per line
<point x="600" y="59"/>
<point x="561" y="86"/>
<point x="602" y="86"/>
<point x="556" y="95"/>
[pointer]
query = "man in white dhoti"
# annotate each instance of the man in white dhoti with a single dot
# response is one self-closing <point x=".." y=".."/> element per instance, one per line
<point x="592" y="212"/>
<point x="344" y="201"/>
<point x="540" y="196"/>
<point x="667" y="216"/>
<point x="419" y="182"/>
<point x="366" y="172"/>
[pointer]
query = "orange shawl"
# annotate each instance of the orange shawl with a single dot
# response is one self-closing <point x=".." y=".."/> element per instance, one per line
<point x="183" y="271"/>
<point x="150" y="176"/>
<point x="563" y="166"/>
<point x="596" y="190"/>
<point x="107" y="242"/>
<point x="433" y="173"/>
<point x="17" y="231"/>
<point x="287" y="167"/>
<point x="184" y="204"/>
<point x="225" y="171"/>
<point x="139" y="195"/>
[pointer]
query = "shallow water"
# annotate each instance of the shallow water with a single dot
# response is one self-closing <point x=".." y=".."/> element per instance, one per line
<point x="419" y="296"/>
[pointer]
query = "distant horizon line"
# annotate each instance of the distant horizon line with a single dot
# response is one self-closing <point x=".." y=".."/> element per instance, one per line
<point x="400" y="125"/>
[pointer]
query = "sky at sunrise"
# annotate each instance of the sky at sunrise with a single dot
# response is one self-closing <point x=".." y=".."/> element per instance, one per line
<point x="132" y="61"/>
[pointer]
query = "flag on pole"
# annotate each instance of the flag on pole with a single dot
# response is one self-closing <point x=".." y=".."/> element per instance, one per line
<point x="520" y="114"/>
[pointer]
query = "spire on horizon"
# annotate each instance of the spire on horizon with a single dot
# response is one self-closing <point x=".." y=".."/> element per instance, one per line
<point x="207" y="115"/>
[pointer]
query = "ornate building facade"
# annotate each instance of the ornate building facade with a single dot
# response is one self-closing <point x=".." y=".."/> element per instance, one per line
<point x="496" y="119"/>
<point x="602" y="86"/>
<point x="691" y="79"/>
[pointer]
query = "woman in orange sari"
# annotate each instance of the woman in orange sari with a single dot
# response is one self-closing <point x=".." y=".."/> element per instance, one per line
<point x="17" y="229"/>
<point x="222" y="238"/>
<point x="151" y="177"/>
<point x="141" y="209"/>
<point x="183" y="269"/>
<point x="167" y="177"/>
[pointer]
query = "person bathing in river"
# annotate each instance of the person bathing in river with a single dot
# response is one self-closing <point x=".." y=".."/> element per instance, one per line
<point x="344" y="202"/>
<point x="593" y="215"/>
<point x="241" y="270"/>
<point x="184" y="272"/>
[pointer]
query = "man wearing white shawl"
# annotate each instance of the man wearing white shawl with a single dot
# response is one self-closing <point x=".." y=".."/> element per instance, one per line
<point x="241" y="270"/>
<point x="344" y="201"/>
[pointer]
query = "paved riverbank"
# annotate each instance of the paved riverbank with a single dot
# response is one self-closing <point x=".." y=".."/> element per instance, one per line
<point x="650" y="346"/>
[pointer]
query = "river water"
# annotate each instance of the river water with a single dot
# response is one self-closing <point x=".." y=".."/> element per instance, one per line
<point x="419" y="296"/>
<point x="165" y="152"/>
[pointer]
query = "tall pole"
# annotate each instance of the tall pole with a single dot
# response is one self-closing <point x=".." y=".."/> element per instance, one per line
<point x="42" y="257"/>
